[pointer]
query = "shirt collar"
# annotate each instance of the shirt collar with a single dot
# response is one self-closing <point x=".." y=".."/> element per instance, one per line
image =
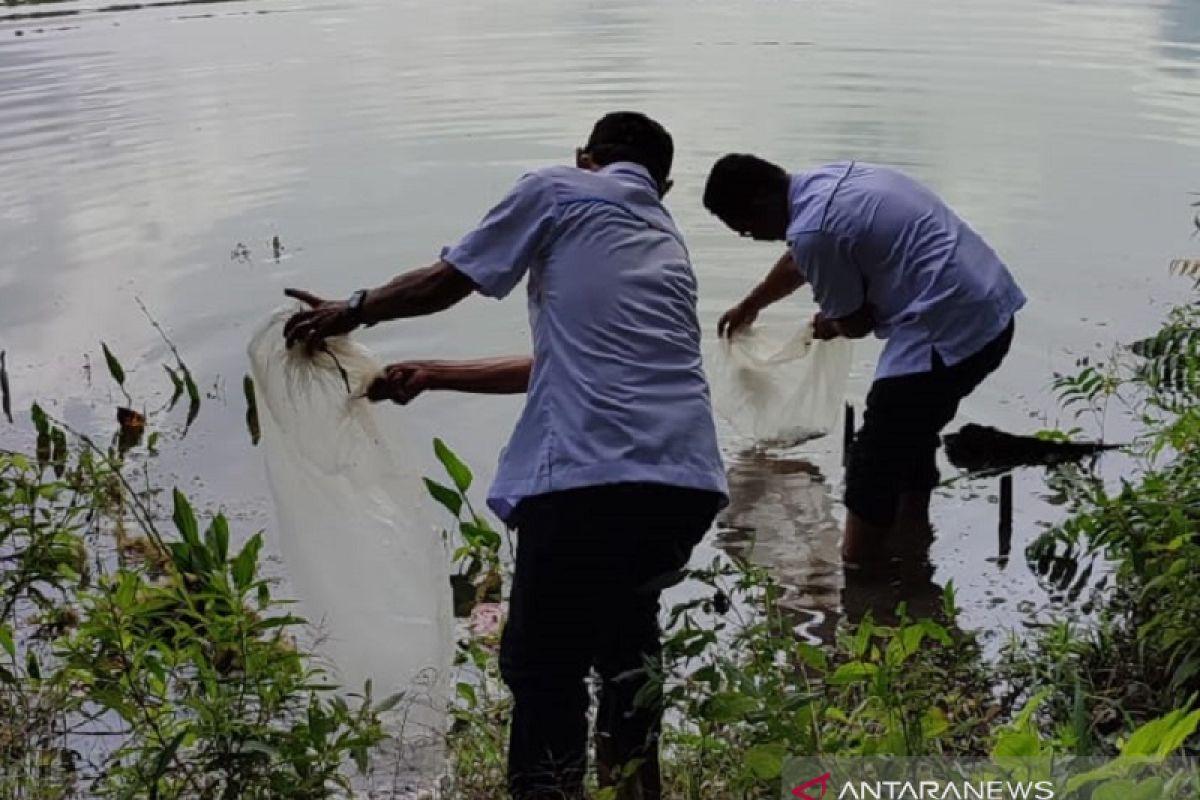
<point x="618" y="168"/>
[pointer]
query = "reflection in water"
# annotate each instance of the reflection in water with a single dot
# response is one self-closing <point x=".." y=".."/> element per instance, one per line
<point x="781" y="516"/>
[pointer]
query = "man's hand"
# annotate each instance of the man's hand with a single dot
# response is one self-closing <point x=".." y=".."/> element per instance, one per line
<point x="325" y="318"/>
<point x="824" y="328"/>
<point x="855" y="326"/>
<point x="402" y="382"/>
<point x="736" y="318"/>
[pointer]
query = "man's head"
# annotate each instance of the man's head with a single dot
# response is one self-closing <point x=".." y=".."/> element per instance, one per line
<point x="629" y="136"/>
<point x="749" y="195"/>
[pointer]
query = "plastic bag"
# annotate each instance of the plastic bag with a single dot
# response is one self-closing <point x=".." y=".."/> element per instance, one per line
<point x="780" y="392"/>
<point x="361" y="557"/>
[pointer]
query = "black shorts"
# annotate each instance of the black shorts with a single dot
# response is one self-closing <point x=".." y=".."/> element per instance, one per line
<point x="895" y="451"/>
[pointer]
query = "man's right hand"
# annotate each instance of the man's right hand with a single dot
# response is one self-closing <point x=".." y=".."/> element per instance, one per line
<point x="402" y="382"/>
<point x="325" y="318"/>
<point x="736" y="318"/>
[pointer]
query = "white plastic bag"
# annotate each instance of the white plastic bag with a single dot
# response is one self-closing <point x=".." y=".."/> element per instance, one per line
<point x="362" y="559"/>
<point x="780" y="392"/>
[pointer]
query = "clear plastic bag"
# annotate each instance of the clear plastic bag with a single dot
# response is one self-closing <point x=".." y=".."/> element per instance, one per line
<point x="780" y="391"/>
<point x="361" y="557"/>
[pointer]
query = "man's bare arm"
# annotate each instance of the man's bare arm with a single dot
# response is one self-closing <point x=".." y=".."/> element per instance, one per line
<point x="402" y="382"/>
<point x="416" y="293"/>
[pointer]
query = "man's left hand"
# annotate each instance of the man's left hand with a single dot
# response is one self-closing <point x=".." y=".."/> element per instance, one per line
<point x="326" y="318"/>
<point x="824" y="328"/>
<point x="402" y="382"/>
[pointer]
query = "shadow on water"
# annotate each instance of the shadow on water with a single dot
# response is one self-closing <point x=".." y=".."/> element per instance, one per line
<point x="781" y="517"/>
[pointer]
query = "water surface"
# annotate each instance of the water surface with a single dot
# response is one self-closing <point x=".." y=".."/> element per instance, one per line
<point x="157" y="153"/>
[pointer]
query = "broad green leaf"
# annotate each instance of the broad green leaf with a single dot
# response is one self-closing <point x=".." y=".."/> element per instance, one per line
<point x="244" y="563"/>
<point x="862" y="637"/>
<point x="936" y="632"/>
<point x="455" y="468"/>
<point x="1125" y="789"/>
<point x="729" y="707"/>
<point x="217" y="538"/>
<point x="904" y="645"/>
<point x="813" y="656"/>
<point x="449" y="499"/>
<point x="766" y="760"/>
<point x="185" y="520"/>
<point x="6" y="641"/>
<point x="1017" y="744"/>
<point x="127" y="590"/>
<point x="854" y="672"/>
<point x="1162" y="736"/>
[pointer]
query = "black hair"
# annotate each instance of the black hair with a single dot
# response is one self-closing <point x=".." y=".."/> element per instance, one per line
<point x="630" y="136"/>
<point x="737" y="181"/>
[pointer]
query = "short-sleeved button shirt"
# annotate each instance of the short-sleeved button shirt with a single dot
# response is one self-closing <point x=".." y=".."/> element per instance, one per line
<point x="865" y="233"/>
<point x="618" y="391"/>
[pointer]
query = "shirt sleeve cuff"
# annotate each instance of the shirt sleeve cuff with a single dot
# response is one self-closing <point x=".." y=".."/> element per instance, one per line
<point x="485" y="280"/>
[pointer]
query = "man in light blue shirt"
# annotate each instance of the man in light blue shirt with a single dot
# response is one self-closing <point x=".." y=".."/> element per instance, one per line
<point x="884" y="254"/>
<point x="613" y="473"/>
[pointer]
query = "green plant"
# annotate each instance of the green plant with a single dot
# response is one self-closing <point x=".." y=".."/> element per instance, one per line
<point x="744" y="693"/>
<point x="478" y="734"/>
<point x="141" y="660"/>
<point x="1132" y="548"/>
<point x="476" y="553"/>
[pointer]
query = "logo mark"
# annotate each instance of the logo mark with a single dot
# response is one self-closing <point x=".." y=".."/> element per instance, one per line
<point x="821" y="780"/>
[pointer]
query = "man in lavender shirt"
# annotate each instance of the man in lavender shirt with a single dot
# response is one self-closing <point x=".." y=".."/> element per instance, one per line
<point x="613" y="473"/>
<point x="883" y="254"/>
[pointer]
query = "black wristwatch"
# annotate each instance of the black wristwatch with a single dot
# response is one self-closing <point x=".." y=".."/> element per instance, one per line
<point x="354" y="306"/>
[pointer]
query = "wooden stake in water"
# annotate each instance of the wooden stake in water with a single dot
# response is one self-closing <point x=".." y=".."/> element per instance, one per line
<point x="1006" y="512"/>
<point x="847" y="434"/>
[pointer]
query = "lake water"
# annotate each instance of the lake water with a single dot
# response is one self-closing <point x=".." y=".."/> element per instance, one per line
<point x="156" y="153"/>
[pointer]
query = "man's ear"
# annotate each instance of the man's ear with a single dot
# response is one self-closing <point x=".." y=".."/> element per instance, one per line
<point x="583" y="160"/>
<point x="665" y="187"/>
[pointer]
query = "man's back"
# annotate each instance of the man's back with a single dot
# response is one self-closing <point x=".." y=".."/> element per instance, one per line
<point x="932" y="282"/>
<point x="618" y="391"/>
